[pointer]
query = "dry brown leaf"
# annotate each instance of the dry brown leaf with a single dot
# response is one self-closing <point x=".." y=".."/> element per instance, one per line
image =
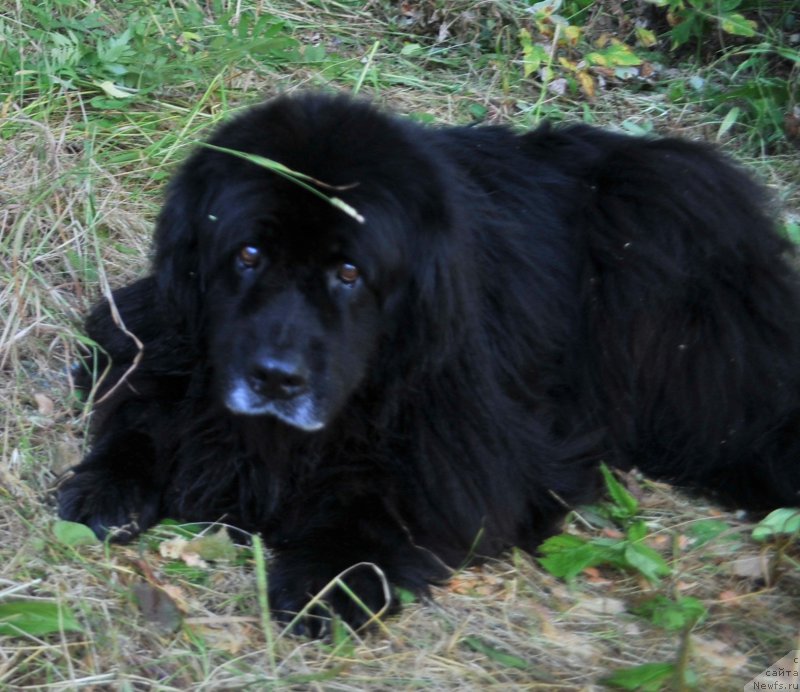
<point x="595" y="576"/>
<point x="157" y="606"/>
<point x="729" y="597"/>
<point x="718" y="653"/>
<point x="44" y="404"/>
<point x="681" y="585"/>
<point x="173" y="548"/>
<point x="750" y="566"/>
<point x="601" y="606"/>
<point x="610" y="532"/>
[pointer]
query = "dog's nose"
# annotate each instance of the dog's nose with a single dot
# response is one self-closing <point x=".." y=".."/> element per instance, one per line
<point x="276" y="379"/>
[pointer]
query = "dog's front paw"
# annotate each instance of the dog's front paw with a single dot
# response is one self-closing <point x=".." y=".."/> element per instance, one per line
<point x="309" y="587"/>
<point x="310" y="596"/>
<point x="112" y="509"/>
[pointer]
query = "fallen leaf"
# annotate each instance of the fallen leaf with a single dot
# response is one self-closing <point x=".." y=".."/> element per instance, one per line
<point x="659" y="541"/>
<point x="729" y="597"/>
<point x="198" y="552"/>
<point x="173" y="548"/>
<point x="594" y="576"/>
<point x="601" y="606"/>
<point x="177" y="594"/>
<point x="193" y="559"/>
<point x="751" y="567"/>
<point x="681" y="585"/>
<point x="610" y="532"/>
<point x="718" y="653"/>
<point x="157" y="607"/>
<point x="44" y="404"/>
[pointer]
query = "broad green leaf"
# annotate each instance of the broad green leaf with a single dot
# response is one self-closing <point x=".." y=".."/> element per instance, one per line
<point x="706" y="530"/>
<point x="73" y="534"/>
<point x="672" y="615"/>
<point x="567" y="556"/>
<point x="404" y="596"/>
<point x="646" y="37"/>
<point x="412" y="50"/>
<point x="737" y="25"/>
<point x="533" y="54"/>
<point x="779" y="522"/>
<point x="649" y="677"/>
<point x="614" y="55"/>
<point x="647" y="561"/>
<point x="36" y="618"/>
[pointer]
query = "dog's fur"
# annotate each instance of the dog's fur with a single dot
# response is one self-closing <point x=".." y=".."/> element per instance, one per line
<point x="440" y="381"/>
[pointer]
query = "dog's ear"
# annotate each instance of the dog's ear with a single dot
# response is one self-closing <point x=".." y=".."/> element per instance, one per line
<point x="176" y="262"/>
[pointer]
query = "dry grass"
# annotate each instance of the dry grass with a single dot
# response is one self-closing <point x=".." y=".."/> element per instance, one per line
<point x="74" y="219"/>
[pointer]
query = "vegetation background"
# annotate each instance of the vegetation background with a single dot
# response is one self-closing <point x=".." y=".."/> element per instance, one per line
<point x="100" y="100"/>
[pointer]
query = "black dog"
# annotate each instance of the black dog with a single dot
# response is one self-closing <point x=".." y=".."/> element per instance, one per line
<point x="439" y="381"/>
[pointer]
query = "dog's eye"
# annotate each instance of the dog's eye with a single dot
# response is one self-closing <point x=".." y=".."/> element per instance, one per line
<point x="249" y="257"/>
<point x="348" y="273"/>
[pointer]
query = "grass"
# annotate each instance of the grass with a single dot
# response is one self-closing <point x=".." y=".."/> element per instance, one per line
<point x="98" y="102"/>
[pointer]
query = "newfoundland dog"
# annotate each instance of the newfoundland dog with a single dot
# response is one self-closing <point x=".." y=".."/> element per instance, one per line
<point x="436" y="375"/>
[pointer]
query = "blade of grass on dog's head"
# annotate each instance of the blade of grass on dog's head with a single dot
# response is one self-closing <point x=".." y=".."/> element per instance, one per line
<point x="301" y="179"/>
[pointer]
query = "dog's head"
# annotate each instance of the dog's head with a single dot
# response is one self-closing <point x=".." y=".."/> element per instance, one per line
<point x="291" y="297"/>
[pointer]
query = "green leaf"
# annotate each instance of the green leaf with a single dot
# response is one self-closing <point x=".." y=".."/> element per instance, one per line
<point x="685" y="29"/>
<point x="649" y="677"/>
<point x="566" y="556"/>
<point x="728" y="121"/>
<point x="412" y="50"/>
<point x="706" y="530"/>
<point x="214" y="546"/>
<point x="672" y="615"/>
<point x="637" y="531"/>
<point x="36" y="618"/>
<point x="314" y="54"/>
<point x="783" y="521"/>
<point x="647" y="561"/>
<point x="625" y="503"/>
<point x="73" y="534"/>
<point x="792" y="231"/>
<point x="501" y="657"/>
<point x="533" y="54"/>
<point x="404" y="596"/>
<point x="477" y="111"/>
<point x="614" y="55"/>
<point x="737" y="25"/>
